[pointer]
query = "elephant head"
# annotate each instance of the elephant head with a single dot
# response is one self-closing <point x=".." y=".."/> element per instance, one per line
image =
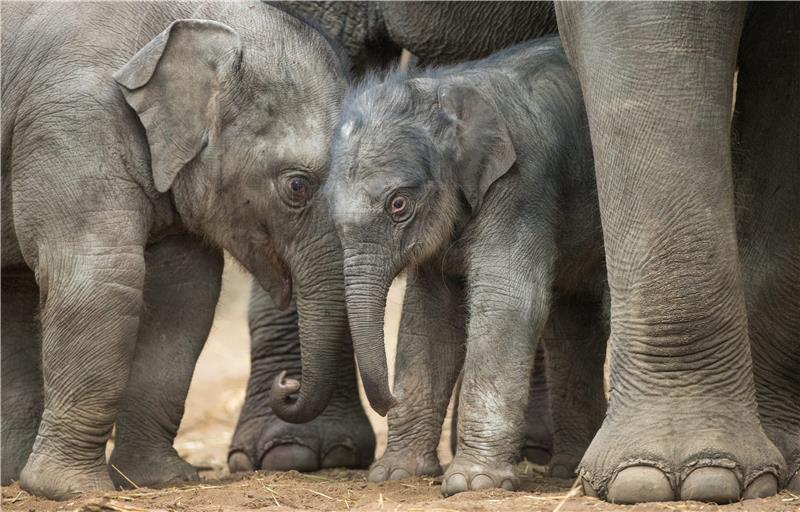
<point x="412" y="162"/>
<point x="238" y="124"/>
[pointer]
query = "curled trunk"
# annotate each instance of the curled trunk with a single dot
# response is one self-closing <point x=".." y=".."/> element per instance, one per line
<point x="323" y="329"/>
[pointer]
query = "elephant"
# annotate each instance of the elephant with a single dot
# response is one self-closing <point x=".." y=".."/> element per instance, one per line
<point x="138" y="141"/>
<point x="477" y="180"/>
<point x="702" y="239"/>
<point x="372" y="34"/>
<point x="341" y="436"/>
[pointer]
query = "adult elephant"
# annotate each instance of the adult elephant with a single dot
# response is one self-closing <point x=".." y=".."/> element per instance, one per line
<point x="373" y="34"/>
<point x="704" y="296"/>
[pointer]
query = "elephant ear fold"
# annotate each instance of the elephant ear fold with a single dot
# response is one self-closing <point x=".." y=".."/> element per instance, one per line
<point x="484" y="150"/>
<point x="172" y="84"/>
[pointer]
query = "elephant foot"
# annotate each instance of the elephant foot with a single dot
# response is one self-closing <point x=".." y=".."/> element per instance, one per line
<point x="464" y="474"/>
<point x="329" y="441"/>
<point x="713" y="457"/>
<point x="401" y="464"/>
<point x="52" y="479"/>
<point x="148" y="468"/>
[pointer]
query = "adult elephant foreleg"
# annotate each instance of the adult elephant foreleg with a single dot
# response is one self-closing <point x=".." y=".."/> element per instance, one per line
<point x="767" y="184"/>
<point x="340" y="437"/>
<point x="682" y="420"/>
<point x="430" y="352"/>
<point x="182" y="284"/>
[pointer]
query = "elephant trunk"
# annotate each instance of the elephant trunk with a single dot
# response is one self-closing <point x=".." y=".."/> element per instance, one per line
<point x="323" y="330"/>
<point x="366" y="288"/>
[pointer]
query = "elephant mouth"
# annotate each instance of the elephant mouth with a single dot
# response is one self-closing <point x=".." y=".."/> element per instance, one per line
<point x="274" y="275"/>
<point x="282" y="295"/>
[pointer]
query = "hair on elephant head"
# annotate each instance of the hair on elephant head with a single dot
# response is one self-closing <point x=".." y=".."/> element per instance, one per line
<point x="412" y="161"/>
<point x="238" y="126"/>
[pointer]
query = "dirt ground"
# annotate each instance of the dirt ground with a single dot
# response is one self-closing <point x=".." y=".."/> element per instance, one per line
<point x="213" y="405"/>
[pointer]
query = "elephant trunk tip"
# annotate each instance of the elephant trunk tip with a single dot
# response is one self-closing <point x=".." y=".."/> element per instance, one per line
<point x="287" y="407"/>
<point x="380" y="398"/>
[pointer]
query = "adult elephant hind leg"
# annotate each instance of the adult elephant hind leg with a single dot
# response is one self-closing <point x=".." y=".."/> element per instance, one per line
<point x="575" y="343"/>
<point x="767" y="186"/>
<point x="339" y="437"/>
<point x="181" y="288"/>
<point x="430" y="351"/>
<point x="682" y="421"/>
<point x="21" y="369"/>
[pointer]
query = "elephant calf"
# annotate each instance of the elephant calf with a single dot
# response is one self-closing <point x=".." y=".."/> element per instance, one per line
<point x="478" y="178"/>
<point x="139" y="139"/>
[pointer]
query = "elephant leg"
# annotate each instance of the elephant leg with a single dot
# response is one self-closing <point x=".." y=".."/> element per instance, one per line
<point x="339" y="437"/>
<point x="92" y="289"/>
<point x="430" y="350"/>
<point x="767" y="181"/>
<point x="682" y="421"/>
<point x="181" y="288"/>
<point x="509" y="300"/>
<point x="21" y="369"/>
<point x="538" y="446"/>
<point x="575" y="343"/>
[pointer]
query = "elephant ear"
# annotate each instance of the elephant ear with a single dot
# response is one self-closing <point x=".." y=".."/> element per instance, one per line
<point x="172" y="84"/>
<point x="484" y="150"/>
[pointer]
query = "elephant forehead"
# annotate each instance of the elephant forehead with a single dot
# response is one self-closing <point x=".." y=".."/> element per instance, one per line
<point x="354" y="201"/>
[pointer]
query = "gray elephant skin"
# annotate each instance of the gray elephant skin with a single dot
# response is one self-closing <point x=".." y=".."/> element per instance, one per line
<point x="138" y="141"/>
<point x="704" y="295"/>
<point x="478" y="179"/>
<point x="372" y="34"/>
<point x="702" y="243"/>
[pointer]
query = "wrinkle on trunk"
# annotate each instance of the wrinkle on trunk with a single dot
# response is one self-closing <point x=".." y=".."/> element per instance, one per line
<point x="366" y="288"/>
<point x="323" y="330"/>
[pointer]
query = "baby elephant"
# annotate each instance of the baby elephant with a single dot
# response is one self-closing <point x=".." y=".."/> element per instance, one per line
<point x="138" y="141"/>
<point x="478" y="179"/>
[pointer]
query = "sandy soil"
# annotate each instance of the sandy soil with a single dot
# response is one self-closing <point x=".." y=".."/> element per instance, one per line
<point x="213" y="405"/>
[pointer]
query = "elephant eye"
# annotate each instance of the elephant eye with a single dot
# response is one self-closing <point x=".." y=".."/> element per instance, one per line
<point x="298" y="190"/>
<point x="400" y="207"/>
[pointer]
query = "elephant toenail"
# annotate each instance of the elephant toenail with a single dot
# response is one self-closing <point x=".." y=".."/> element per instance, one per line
<point x="794" y="482"/>
<point x="377" y="474"/>
<point x="454" y="484"/>
<point x="588" y="489"/>
<point x="711" y="484"/>
<point x="238" y="461"/>
<point x="399" y="474"/>
<point x="559" y="471"/>
<point x="762" y="487"/>
<point x="638" y="484"/>
<point x="507" y="485"/>
<point x="480" y="482"/>
<point x="290" y="456"/>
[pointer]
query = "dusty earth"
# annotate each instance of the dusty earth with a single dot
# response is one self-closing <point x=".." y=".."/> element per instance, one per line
<point x="212" y="408"/>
